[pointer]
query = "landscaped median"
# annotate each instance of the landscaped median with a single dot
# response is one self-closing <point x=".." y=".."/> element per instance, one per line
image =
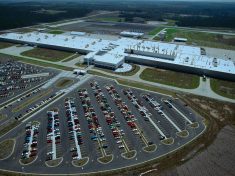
<point x="150" y="148"/>
<point x="6" y="148"/>
<point x="129" y="155"/>
<point x="194" y="125"/>
<point x="168" y="141"/>
<point x="183" y="134"/>
<point x="80" y="162"/>
<point x="105" y="159"/>
<point x="54" y="163"/>
<point x="64" y="83"/>
<point x="28" y="161"/>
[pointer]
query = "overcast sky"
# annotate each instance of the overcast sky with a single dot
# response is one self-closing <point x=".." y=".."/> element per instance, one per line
<point x="128" y="0"/>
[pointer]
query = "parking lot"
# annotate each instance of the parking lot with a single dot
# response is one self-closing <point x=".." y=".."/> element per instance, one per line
<point x="102" y="126"/>
<point x="17" y="77"/>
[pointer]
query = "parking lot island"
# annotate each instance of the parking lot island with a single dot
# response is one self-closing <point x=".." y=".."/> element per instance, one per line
<point x="7" y="148"/>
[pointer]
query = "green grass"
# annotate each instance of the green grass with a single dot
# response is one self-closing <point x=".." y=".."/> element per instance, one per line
<point x="80" y="162"/>
<point x="39" y="63"/>
<point x="71" y="57"/>
<point x="82" y="65"/>
<point x="5" y="45"/>
<point x="202" y="38"/>
<point x="56" y="32"/>
<point x="63" y="83"/>
<point x="47" y="54"/>
<point x="106" y="159"/>
<point x="150" y="148"/>
<point x="111" y="19"/>
<point x="6" y="148"/>
<point x="155" y="31"/>
<point x="129" y="154"/>
<point x="170" y="22"/>
<point x="171" y="78"/>
<point x="223" y="88"/>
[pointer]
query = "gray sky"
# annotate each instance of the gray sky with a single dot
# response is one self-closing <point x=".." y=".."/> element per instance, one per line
<point x="128" y="0"/>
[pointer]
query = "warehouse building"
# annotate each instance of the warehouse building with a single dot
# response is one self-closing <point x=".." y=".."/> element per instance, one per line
<point x="113" y="53"/>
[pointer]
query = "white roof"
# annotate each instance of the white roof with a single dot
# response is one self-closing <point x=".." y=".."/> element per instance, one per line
<point x="132" y="33"/>
<point x="115" y="49"/>
<point x="182" y="39"/>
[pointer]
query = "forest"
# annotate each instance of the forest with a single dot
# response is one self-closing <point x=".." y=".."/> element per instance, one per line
<point x="187" y="14"/>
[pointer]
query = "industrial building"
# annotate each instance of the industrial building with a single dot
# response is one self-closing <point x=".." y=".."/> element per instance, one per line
<point x="113" y="53"/>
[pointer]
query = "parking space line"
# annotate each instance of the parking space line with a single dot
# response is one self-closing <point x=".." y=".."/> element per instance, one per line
<point x="157" y="107"/>
<point x="143" y="109"/>
<point x="179" y="112"/>
<point x="101" y="99"/>
<point x="115" y="96"/>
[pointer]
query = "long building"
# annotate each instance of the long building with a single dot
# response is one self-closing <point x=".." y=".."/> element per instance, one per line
<point x="113" y="53"/>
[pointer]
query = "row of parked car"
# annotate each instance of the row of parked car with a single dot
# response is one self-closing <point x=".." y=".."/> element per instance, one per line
<point x="53" y="133"/>
<point x="11" y="77"/>
<point x="139" y="105"/>
<point x="34" y="107"/>
<point x="92" y="119"/>
<point x="75" y="133"/>
<point x="30" y="142"/>
<point x="128" y="115"/>
<point x="153" y="103"/>
<point x="110" y="118"/>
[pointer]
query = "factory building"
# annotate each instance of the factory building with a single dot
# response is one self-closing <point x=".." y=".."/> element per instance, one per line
<point x="113" y="53"/>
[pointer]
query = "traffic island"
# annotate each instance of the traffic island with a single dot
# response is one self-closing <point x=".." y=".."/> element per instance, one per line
<point x="63" y="83"/>
<point x="27" y="161"/>
<point x="105" y="159"/>
<point x="194" y="125"/>
<point x="150" y="148"/>
<point x="168" y="141"/>
<point x="81" y="162"/>
<point x="7" y="148"/>
<point x="54" y="163"/>
<point x="183" y="134"/>
<point x="129" y="155"/>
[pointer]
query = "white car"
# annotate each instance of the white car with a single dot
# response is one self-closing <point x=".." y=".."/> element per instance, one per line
<point x="121" y="146"/>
